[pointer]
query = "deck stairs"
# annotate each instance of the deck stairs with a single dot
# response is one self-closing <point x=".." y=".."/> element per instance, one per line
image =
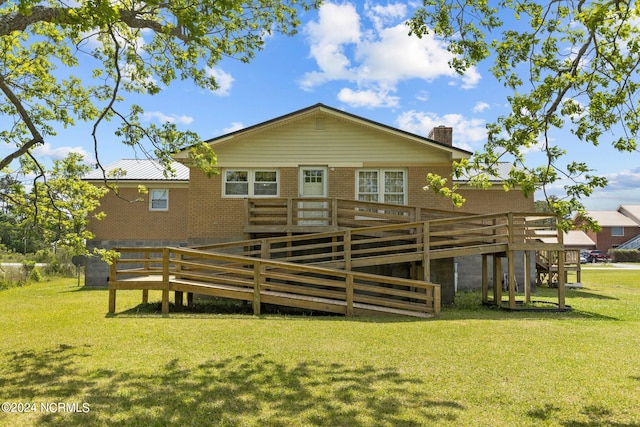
<point x="314" y="264"/>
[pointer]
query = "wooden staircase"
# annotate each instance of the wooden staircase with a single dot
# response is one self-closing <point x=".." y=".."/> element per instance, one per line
<point x="315" y="270"/>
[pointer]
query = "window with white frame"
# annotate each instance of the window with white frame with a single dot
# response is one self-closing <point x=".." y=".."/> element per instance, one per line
<point x="158" y="199"/>
<point x="382" y="185"/>
<point x="250" y="183"/>
<point x="617" y="231"/>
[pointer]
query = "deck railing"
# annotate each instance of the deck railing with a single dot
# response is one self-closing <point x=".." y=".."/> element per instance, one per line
<point x="403" y="242"/>
<point x="291" y="214"/>
<point x="296" y="269"/>
<point x="267" y="281"/>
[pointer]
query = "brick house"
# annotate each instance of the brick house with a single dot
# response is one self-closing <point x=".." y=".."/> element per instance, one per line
<point x="317" y="151"/>
<point x="617" y="227"/>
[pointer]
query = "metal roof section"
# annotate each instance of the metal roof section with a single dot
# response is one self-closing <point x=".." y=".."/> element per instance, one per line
<point x="611" y="219"/>
<point x="139" y="170"/>
<point x="571" y="238"/>
<point x="318" y="109"/>
<point x="502" y="168"/>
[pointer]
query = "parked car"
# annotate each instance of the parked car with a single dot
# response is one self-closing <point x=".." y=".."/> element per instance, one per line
<point x="584" y="258"/>
<point x="597" y="256"/>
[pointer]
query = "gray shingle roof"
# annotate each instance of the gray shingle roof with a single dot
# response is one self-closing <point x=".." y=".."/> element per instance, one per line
<point x="139" y="170"/>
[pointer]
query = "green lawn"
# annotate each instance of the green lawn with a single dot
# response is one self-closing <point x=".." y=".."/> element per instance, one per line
<point x="473" y="366"/>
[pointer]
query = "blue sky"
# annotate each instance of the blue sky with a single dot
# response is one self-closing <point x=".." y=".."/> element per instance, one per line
<point x="354" y="56"/>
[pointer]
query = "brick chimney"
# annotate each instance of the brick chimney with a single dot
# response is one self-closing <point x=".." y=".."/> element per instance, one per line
<point x="442" y="134"/>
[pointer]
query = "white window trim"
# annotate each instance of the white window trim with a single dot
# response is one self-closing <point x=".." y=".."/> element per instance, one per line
<point x="251" y="183"/>
<point x="151" y="199"/>
<point x="381" y="174"/>
<point x="617" y="235"/>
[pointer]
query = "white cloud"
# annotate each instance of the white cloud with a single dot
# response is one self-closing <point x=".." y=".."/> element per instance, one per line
<point x="624" y="180"/>
<point x="59" y="153"/>
<point x="467" y="133"/>
<point x="163" y="118"/>
<point x="380" y="15"/>
<point x="376" y="56"/>
<point x="235" y="126"/>
<point x="621" y="189"/>
<point x="471" y="78"/>
<point x="367" y="98"/>
<point x="223" y="79"/>
<point x="337" y="27"/>
<point x="480" y="107"/>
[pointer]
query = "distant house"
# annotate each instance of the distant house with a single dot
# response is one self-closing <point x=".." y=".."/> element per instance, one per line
<point x="617" y="227"/>
<point x="316" y="152"/>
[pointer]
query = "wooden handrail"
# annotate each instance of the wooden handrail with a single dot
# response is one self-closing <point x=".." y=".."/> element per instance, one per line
<point x="212" y="268"/>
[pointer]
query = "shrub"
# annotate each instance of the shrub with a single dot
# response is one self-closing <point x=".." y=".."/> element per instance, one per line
<point x="11" y="277"/>
<point x="35" y="275"/>
<point x="28" y="266"/>
<point x="625" y="255"/>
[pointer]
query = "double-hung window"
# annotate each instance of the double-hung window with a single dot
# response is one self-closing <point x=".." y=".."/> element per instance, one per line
<point x="250" y="183"/>
<point x="382" y="185"/>
<point x="158" y="199"/>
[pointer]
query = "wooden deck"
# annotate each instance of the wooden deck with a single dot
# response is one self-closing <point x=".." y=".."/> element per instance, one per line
<point x="315" y="270"/>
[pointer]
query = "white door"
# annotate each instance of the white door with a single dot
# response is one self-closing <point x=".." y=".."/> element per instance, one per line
<point x="313" y="183"/>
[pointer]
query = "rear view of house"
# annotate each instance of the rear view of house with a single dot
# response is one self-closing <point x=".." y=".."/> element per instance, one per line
<point x="303" y="158"/>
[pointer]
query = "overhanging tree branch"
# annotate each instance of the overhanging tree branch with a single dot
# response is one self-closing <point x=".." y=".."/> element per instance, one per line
<point x="37" y="137"/>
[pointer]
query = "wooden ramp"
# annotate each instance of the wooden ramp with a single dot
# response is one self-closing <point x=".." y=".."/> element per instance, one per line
<point x="315" y="270"/>
<point x="260" y="281"/>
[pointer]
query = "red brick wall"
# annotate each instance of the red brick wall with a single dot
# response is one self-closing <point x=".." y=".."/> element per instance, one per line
<point x="605" y="241"/>
<point x="212" y="216"/>
<point x="127" y="220"/>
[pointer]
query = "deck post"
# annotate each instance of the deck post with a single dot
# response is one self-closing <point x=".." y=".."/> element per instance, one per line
<point x="436" y="300"/>
<point x="347" y="250"/>
<point x="349" y="289"/>
<point x="511" y="278"/>
<point x="179" y="298"/>
<point x="146" y="266"/>
<point x="246" y="214"/>
<point x="113" y="269"/>
<point x="426" y="247"/>
<point x="527" y="276"/>
<point x="334" y="212"/>
<point x="497" y="277"/>
<point x="264" y="249"/>
<point x="561" y="271"/>
<point x="165" y="280"/>
<point x="258" y="269"/>
<point x="145" y="296"/>
<point x="561" y="279"/>
<point x="485" y="278"/>
<point x="290" y="213"/>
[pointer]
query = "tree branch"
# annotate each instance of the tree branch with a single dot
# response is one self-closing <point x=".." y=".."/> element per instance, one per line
<point x="17" y="22"/>
<point x="37" y="137"/>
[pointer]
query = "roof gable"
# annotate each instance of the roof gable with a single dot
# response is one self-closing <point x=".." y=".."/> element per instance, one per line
<point x="322" y="134"/>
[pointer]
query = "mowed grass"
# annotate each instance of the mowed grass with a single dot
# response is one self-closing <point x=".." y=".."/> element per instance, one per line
<point x="473" y="366"/>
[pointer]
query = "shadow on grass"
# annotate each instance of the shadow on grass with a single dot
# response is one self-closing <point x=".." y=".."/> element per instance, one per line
<point x="228" y="307"/>
<point x="582" y="293"/>
<point x="596" y="416"/>
<point x="464" y="310"/>
<point x="244" y="390"/>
